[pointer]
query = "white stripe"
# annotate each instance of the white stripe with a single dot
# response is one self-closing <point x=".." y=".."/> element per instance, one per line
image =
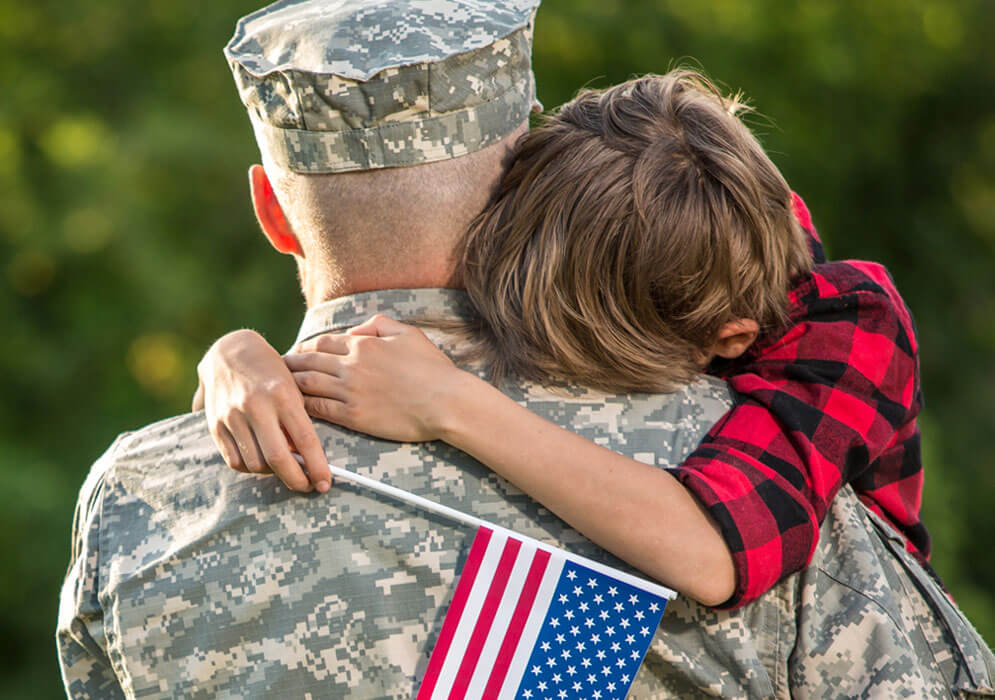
<point x="502" y="618"/>
<point x="530" y="633"/>
<point x="471" y="612"/>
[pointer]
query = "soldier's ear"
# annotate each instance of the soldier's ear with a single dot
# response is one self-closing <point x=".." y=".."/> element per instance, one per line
<point x="270" y="214"/>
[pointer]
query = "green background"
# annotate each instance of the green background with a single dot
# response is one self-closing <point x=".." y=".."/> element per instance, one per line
<point x="127" y="243"/>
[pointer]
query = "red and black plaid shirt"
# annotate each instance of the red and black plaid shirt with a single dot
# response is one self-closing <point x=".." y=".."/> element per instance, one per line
<point x="830" y="400"/>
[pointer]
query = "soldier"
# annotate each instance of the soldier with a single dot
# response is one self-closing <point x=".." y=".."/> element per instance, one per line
<point x="382" y="129"/>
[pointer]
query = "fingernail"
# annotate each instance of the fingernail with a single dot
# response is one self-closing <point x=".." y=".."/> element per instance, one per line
<point x="322" y="486"/>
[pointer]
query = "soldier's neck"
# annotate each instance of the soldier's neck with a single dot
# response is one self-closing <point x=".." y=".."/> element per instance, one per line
<point x="322" y="283"/>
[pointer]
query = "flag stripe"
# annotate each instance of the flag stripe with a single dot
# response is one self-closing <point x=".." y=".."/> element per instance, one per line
<point x="487" y="612"/>
<point x="502" y="620"/>
<point x="475" y="601"/>
<point x="533" y="624"/>
<point x="517" y="624"/>
<point x="455" y="612"/>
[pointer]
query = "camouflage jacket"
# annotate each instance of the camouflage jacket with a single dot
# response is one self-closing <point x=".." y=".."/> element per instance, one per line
<point x="187" y="579"/>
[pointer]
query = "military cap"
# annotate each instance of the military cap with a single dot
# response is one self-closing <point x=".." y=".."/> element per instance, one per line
<point x="338" y="85"/>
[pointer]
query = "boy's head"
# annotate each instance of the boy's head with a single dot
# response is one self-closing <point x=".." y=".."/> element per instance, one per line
<point x="634" y="229"/>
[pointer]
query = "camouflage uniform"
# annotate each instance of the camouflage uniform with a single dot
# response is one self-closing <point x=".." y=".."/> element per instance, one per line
<point x="192" y="580"/>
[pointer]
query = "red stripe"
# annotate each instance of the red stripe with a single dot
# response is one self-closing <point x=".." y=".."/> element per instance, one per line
<point x="486" y="618"/>
<point x="449" y="625"/>
<point x="517" y="624"/>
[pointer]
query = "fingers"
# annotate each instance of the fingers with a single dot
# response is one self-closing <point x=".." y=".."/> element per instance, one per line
<point x="380" y="326"/>
<point x="331" y="343"/>
<point x="198" y="398"/>
<point x="301" y="432"/>
<point x="319" y="362"/>
<point x="332" y="410"/>
<point x="245" y="442"/>
<point x="227" y="447"/>
<point x="276" y="452"/>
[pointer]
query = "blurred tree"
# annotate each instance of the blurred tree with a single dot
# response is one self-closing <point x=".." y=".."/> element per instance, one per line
<point x="127" y="243"/>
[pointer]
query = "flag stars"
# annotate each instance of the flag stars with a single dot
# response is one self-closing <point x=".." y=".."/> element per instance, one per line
<point x="654" y="607"/>
<point x="536" y="669"/>
<point x="561" y="694"/>
<point x="545" y="646"/>
<point x="571" y="670"/>
<point x="563" y="597"/>
<point x="578" y="590"/>
<point x="526" y="693"/>
<point x="585" y="662"/>
<point x="610" y="631"/>
<point x="606" y="670"/>
<point x="634" y="655"/>
<point x="589" y="623"/>
<point x="618" y="607"/>
<point x="551" y="661"/>
<point x="569" y="614"/>
<point x="571" y="574"/>
<point x="575" y="630"/>
<point x="557" y="678"/>
<point x="580" y="646"/>
<point x="596" y="695"/>
<point x="601" y="654"/>
<point x="554" y="622"/>
<point x="603" y="614"/>
<point x="630" y="639"/>
<point x="595" y="638"/>
<point x="599" y="599"/>
<point x="644" y="631"/>
<point x="591" y="678"/>
<point x="560" y="639"/>
<point x="620" y="663"/>
<point x="591" y="583"/>
<point x="565" y="654"/>
<point x="577" y="686"/>
<point x="624" y="622"/>
<point x="611" y="687"/>
<point x="612" y="591"/>
<point x="542" y="686"/>
<point x="633" y="599"/>
<point x="583" y="606"/>
<point x="640" y="614"/>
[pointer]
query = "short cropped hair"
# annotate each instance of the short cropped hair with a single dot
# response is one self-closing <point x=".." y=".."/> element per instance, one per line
<point x="629" y="227"/>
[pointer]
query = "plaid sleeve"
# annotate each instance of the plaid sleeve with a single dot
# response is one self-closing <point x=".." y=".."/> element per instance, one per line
<point x="831" y="400"/>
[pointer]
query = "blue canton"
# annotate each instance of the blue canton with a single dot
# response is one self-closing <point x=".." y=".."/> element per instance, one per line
<point x="593" y="640"/>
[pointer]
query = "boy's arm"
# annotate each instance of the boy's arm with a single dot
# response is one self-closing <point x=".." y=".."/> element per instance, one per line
<point x="816" y="408"/>
<point x="398" y="385"/>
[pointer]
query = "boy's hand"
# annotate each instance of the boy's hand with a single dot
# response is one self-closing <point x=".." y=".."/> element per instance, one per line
<point x="383" y="377"/>
<point x="256" y="413"/>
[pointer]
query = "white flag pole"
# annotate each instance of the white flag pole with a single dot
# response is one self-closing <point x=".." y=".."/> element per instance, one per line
<point x="461" y="517"/>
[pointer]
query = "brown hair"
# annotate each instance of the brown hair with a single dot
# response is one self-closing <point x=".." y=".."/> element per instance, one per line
<point x="628" y="228"/>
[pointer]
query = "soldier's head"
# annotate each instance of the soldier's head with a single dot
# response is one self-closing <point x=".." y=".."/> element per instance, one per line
<point x="637" y="233"/>
<point x="383" y="126"/>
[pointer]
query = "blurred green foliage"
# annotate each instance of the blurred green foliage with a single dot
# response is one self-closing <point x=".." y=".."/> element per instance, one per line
<point x="127" y="243"/>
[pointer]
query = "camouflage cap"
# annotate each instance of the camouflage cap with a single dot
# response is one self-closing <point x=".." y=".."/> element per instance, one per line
<point x="337" y="85"/>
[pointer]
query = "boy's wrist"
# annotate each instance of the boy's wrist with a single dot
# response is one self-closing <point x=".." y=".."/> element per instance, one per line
<point x="454" y="418"/>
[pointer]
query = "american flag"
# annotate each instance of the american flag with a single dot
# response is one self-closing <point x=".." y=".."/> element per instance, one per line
<point x="532" y="621"/>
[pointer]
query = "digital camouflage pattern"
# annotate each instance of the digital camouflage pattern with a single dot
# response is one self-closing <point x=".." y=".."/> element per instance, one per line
<point x="188" y="579"/>
<point x="361" y="84"/>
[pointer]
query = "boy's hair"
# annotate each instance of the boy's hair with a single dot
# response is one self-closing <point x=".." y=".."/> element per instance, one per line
<point x="630" y="226"/>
